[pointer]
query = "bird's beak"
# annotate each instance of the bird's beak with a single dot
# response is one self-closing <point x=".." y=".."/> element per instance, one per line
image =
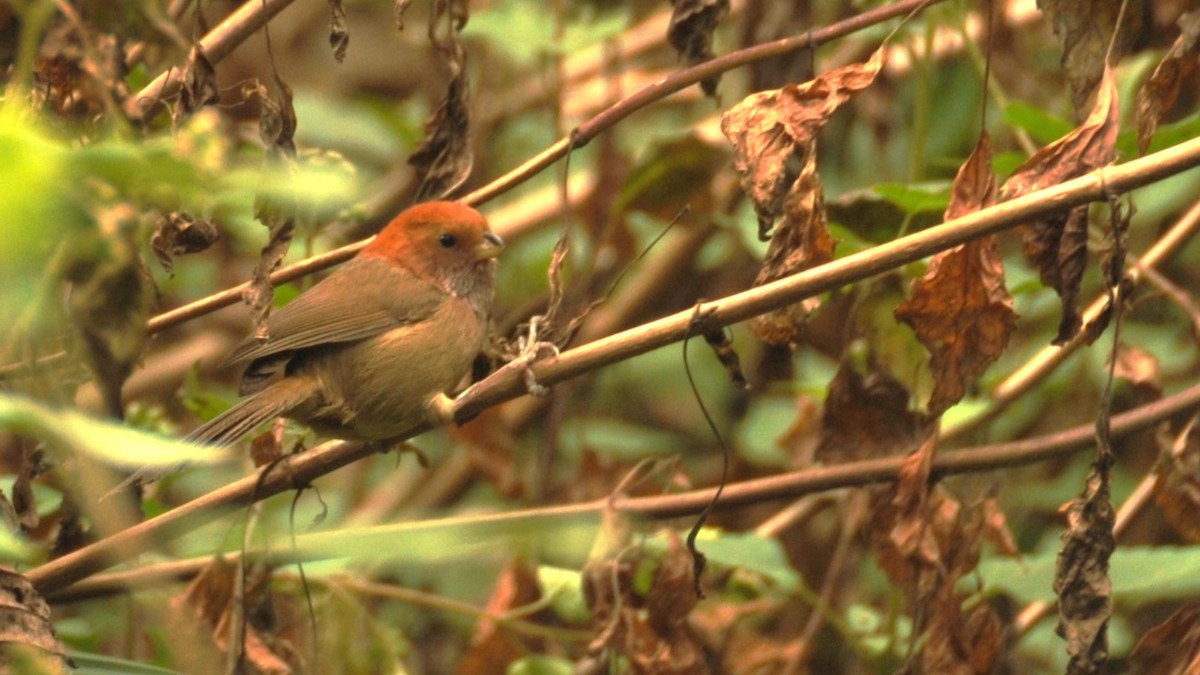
<point x="489" y="247"/>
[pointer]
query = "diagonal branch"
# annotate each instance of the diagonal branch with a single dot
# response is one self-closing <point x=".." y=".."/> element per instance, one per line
<point x="302" y="469"/>
<point x="216" y="45"/>
<point x="754" y="491"/>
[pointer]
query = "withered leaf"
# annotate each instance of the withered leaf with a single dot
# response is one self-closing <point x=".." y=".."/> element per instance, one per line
<point x="1158" y="93"/>
<point x="445" y="157"/>
<point x="199" y="85"/>
<point x="1085" y="28"/>
<point x="961" y="310"/>
<point x="924" y="538"/>
<point x="492" y="647"/>
<point x="1171" y="647"/>
<point x="801" y="241"/>
<point x="651" y="632"/>
<point x="1057" y="245"/>
<point x="1081" y="578"/>
<point x="205" y="607"/>
<point x="277" y="126"/>
<point x="25" y="620"/>
<point x="277" y="119"/>
<point x="1086" y="148"/>
<point x="1177" y="491"/>
<point x="339" y="36"/>
<point x="691" y="31"/>
<point x="722" y="346"/>
<point x="178" y="233"/>
<point x="280" y="220"/>
<point x="773" y="131"/>
<point x="867" y="417"/>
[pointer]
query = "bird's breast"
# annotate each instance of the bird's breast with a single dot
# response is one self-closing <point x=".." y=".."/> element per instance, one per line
<point x="381" y="386"/>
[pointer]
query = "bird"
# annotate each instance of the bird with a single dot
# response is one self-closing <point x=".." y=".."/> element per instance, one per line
<point x="372" y="350"/>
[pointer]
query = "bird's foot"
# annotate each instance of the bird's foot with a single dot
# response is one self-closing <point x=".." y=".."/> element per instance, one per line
<point x="440" y="410"/>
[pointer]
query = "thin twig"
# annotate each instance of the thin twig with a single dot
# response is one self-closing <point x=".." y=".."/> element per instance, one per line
<point x="55" y="579"/>
<point x="627" y="344"/>
<point x="682" y="79"/>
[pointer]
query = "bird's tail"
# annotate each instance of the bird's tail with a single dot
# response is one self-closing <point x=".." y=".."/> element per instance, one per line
<point x="249" y="413"/>
<point x="231" y="425"/>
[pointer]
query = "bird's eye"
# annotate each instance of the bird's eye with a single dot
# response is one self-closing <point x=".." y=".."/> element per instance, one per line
<point x="447" y="240"/>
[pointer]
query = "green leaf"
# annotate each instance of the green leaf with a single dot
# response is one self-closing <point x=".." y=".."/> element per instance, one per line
<point x="1044" y="127"/>
<point x="564" y="588"/>
<point x="112" y="443"/>
<point x="1140" y="575"/>
<point x="742" y="550"/>
<point x="544" y="535"/>
<point x="915" y="198"/>
<point x="541" y="665"/>
<point x="97" y="664"/>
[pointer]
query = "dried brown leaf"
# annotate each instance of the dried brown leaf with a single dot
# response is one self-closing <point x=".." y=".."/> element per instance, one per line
<point x="961" y="310"/>
<point x="199" y="85"/>
<point x="773" y="131"/>
<point x="774" y="136"/>
<point x="178" y="233"/>
<point x="339" y="36"/>
<point x="1057" y="245"/>
<point x="1081" y="578"/>
<point x="1158" y="93"/>
<point x="1177" y="491"/>
<point x="800" y="242"/>
<point x="445" y="157"/>
<point x="924" y="539"/>
<point x="260" y="293"/>
<point x="691" y="30"/>
<point x="207" y="603"/>
<point x="867" y="417"/>
<point x="651" y="632"/>
<point x="1172" y="647"/>
<point x="277" y="119"/>
<point x="25" y="620"/>
<point x="492" y="648"/>
<point x="1085" y="28"/>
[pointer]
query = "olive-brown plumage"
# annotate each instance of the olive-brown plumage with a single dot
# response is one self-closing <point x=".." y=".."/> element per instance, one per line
<point x="372" y="349"/>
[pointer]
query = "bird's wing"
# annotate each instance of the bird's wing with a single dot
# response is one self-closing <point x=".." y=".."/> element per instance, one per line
<point x="323" y="316"/>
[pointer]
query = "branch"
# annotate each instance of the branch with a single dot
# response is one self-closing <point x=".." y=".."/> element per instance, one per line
<point x="302" y="469"/>
<point x="220" y="41"/>
<point x="682" y="79"/>
<point x="784" y="486"/>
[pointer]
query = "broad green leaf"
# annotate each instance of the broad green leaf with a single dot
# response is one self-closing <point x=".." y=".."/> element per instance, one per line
<point x="556" y="537"/>
<point x="1140" y="575"/>
<point x="743" y="550"/>
<point x="1044" y="127"/>
<point x="564" y="588"/>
